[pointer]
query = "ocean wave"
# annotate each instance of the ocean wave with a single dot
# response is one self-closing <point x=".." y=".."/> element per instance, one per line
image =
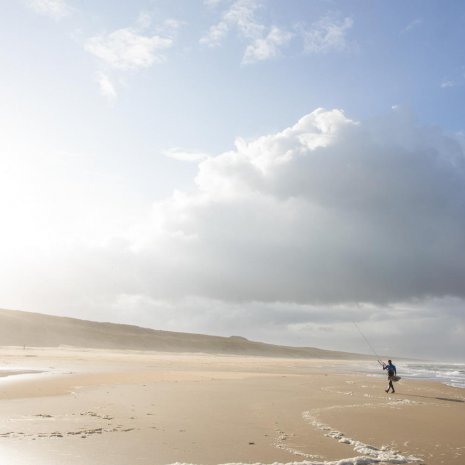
<point x="446" y="373"/>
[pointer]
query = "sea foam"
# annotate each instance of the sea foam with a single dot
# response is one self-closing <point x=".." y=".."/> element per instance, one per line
<point x="370" y="454"/>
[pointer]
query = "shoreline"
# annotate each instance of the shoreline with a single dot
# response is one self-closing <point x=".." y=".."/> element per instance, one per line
<point x="114" y="408"/>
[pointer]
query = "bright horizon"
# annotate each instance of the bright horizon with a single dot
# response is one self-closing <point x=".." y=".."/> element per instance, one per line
<point x="277" y="171"/>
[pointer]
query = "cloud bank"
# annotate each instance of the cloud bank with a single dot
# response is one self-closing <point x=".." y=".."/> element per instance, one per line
<point x="326" y="211"/>
<point x="297" y="232"/>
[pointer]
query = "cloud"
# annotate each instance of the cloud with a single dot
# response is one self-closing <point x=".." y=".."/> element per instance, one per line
<point x="240" y="16"/>
<point x="412" y="25"/>
<point x="325" y="222"/>
<point x="212" y="3"/>
<point x="131" y="49"/>
<point x="268" y="47"/>
<point x="263" y="42"/>
<point x="171" y="26"/>
<point x="447" y="84"/>
<point x="56" y="9"/>
<point x="325" y="211"/>
<point x="126" y="49"/>
<point x="181" y="154"/>
<point x="327" y="35"/>
<point x="107" y="88"/>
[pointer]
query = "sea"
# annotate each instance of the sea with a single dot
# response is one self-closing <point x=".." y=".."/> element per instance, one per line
<point x="451" y="374"/>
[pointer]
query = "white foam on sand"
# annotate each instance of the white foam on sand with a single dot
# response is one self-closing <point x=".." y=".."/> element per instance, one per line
<point x="368" y="454"/>
<point x="362" y="460"/>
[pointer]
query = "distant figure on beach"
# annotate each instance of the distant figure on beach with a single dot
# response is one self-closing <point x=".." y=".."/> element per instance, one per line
<point x="392" y="372"/>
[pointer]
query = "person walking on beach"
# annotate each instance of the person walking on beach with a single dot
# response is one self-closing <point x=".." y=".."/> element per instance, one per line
<point x="392" y="372"/>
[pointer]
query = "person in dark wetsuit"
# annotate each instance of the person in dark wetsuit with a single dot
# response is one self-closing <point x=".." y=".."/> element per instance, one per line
<point x="391" y="371"/>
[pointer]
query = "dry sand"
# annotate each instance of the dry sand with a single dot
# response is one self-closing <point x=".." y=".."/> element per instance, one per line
<point x="125" y="408"/>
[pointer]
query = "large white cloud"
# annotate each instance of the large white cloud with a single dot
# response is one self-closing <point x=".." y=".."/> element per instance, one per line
<point x="327" y="210"/>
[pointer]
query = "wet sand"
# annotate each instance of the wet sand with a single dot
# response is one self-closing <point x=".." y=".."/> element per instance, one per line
<point x="92" y="407"/>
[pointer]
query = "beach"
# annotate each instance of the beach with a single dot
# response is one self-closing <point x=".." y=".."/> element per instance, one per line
<point x="109" y="407"/>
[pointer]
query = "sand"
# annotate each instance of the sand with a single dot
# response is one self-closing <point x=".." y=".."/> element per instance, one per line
<point x="108" y="407"/>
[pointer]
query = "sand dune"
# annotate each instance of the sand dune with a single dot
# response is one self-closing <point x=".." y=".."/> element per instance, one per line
<point x="19" y="328"/>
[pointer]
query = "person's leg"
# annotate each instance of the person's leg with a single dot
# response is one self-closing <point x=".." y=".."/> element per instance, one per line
<point x="391" y="385"/>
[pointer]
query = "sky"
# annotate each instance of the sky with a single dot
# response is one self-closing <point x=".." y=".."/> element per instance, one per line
<point x="290" y="172"/>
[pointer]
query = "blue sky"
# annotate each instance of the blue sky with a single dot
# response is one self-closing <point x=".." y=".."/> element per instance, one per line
<point x="164" y="164"/>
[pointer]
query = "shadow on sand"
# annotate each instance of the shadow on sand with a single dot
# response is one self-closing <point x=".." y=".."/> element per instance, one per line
<point x="447" y="399"/>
